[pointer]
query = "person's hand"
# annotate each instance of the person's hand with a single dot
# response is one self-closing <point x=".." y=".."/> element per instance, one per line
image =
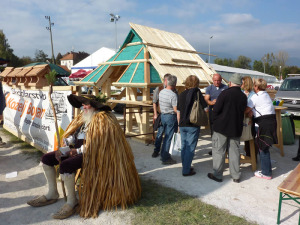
<point x="72" y="152"/>
<point x="250" y="114"/>
<point x="213" y="101"/>
<point x="58" y="154"/>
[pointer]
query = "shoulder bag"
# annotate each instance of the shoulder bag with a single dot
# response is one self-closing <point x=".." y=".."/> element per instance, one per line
<point x="198" y="115"/>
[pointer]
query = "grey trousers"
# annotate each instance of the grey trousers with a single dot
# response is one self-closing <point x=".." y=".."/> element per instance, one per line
<point x="219" y="143"/>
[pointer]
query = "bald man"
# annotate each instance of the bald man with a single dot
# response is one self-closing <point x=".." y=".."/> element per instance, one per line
<point x="211" y="94"/>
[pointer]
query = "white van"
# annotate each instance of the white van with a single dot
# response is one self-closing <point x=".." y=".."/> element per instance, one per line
<point x="289" y="92"/>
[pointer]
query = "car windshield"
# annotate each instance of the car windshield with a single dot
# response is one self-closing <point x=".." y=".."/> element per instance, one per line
<point x="290" y="85"/>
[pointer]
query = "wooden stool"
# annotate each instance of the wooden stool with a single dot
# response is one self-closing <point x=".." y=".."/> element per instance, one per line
<point x="290" y="187"/>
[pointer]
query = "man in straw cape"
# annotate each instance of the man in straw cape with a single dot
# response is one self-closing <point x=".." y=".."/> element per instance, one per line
<point x="93" y="141"/>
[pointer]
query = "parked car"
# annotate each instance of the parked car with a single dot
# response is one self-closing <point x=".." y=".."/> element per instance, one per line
<point x="289" y="92"/>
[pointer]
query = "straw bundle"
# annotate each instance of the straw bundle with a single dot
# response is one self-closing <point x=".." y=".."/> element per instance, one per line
<point x="109" y="177"/>
<point x="72" y="127"/>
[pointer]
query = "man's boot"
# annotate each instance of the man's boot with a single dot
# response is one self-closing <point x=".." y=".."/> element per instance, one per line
<point x="52" y="195"/>
<point x="69" y="208"/>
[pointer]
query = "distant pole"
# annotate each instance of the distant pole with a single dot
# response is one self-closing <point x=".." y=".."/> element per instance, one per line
<point x="264" y="65"/>
<point x="49" y="28"/>
<point x="115" y="18"/>
<point x="209" y="49"/>
<point x="280" y="76"/>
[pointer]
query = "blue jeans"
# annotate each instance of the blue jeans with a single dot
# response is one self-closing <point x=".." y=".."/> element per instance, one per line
<point x="170" y="126"/>
<point x="158" y="139"/>
<point x="189" y="139"/>
<point x="265" y="162"/>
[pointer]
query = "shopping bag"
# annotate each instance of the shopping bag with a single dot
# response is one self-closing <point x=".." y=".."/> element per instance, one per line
<point x="246" y="133"/>
<point x="175" y="147"/>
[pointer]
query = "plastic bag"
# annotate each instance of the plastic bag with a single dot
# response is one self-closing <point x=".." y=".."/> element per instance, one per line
<point x="175" y="147"/>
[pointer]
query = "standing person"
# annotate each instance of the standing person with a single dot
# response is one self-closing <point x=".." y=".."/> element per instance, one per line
<point x="93" y="139"/>
<point x="2" y="106"/>
<point x="211" y="94"/>
<point x="247" y="88"/>
<point x="160" y="129"/>
<point x="168" y="108"/>
<point x="264" y="115"/>
<point x="188" y="131"/>
<point x="228" y="116"/>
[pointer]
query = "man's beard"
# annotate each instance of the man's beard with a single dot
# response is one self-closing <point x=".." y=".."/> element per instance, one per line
<point x="87" y="115"/>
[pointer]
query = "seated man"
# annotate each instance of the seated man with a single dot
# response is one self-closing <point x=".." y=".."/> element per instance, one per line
<point x="95" y="142"/>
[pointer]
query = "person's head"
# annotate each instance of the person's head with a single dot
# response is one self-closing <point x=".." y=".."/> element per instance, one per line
<point x="166" y="79"/>
<point x="260" y="84"/>
<point x="88" y="112"/>
<point x="171" y="81"/>
<point x="235" y="80"/>
<point x="217" y="80"/>
<point x="247" y="84"/>
<point x="191" y="82"/>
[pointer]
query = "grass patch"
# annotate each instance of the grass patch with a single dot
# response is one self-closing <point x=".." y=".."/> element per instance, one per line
<point x="26" y="149"/>
<point x="297" y="124"/>
<point x="163" y="205"/>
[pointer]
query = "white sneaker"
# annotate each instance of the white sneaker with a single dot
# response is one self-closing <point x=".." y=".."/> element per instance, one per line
<point x="260" y="175"/>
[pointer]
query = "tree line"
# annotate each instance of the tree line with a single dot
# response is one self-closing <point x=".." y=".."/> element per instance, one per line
<point x="270" y="63"/>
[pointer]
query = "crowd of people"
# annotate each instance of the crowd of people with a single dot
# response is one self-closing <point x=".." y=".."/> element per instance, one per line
<point x="227" y="107"/>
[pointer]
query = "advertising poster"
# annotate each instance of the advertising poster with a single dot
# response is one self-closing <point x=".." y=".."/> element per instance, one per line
<point x="28" y="112"/>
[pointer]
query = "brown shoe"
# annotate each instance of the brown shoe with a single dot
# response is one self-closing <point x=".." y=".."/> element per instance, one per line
<point x="41" y="201"/>
<point x="65" y="212"/>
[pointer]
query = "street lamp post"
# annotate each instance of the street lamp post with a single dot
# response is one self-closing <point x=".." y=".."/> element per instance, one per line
<point x="115" y="18"/>
<point x="280" y="77"/>
<point x="209" y="49"/>
<point x="49" y="28"/>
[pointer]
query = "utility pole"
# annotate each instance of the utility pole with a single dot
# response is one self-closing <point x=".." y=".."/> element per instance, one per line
<point x="49" y="28"/>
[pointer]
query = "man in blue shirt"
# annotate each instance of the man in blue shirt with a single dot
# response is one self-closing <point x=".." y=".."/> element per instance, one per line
<point x="211" y="94"/>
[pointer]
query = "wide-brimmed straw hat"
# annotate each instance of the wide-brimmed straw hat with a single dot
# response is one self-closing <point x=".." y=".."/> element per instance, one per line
<point x="95" y="102"/>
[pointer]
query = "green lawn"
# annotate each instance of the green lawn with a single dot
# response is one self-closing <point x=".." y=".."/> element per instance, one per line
<point x="297" y="124"/>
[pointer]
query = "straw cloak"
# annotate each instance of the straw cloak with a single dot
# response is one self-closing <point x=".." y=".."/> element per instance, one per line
<point x="109" y="177"/>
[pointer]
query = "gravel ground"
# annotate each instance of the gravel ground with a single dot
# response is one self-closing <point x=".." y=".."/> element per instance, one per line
<point x="253" y="198"/>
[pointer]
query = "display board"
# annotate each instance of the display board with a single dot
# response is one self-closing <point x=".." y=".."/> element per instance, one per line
<point x="28" y="114"/>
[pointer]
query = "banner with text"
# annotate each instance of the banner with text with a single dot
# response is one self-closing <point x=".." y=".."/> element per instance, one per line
<point x="29" y="112"/>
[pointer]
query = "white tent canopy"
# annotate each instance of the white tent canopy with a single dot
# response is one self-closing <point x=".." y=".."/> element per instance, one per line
<point x="91" y="62"/>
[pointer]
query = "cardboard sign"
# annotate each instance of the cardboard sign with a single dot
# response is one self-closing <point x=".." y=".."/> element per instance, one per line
<point x="28" y="112"/>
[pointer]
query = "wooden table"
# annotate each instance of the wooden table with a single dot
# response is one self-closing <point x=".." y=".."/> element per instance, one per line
<point x="279" y="128"/>
<point x="290" y="187"/>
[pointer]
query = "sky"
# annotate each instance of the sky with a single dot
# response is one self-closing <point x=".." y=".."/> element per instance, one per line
<point x="239" y="27"/>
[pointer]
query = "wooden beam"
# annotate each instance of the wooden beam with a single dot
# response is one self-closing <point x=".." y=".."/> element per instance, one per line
<point x="130" y="102"/>
<point x="124" y="62"/>
<point x="146" y="67"/>
<point x="139" y="85"/>
<point x="185" y="61"/>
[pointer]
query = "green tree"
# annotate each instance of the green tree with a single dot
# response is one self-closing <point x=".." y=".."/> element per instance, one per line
<point x="218" y="61"/>
<point x="58" y="57"/>
<point x="6" y="51"/>
<point x="258" y="66"/>
<point x="25" y="60"/>
<point x="40" y="56"/>
<point x="242" y="62"/>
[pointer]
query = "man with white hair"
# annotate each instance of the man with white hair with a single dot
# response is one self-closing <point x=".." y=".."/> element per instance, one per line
<point x="228" y="116"/>
<point x="90" y="141"/>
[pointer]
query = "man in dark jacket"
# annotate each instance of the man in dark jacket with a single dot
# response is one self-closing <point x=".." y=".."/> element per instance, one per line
<point x="228" y="115"/>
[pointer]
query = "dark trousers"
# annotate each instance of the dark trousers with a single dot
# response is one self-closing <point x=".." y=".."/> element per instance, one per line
<point x="67" y="165"/>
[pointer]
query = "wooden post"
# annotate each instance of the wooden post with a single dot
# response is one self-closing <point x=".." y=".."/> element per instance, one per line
<point x="128" y="116"/>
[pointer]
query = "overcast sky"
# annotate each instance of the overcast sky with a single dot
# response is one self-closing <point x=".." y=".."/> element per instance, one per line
<point x="239" y="27"/>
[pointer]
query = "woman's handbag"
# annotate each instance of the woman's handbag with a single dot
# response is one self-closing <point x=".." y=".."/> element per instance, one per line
<point x="175" y="147"/>
<point x="247" y="133"/>
<point x="198" y="115"/>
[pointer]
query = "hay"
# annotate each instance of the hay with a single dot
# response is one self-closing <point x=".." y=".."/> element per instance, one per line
<point x="109" y="177"/>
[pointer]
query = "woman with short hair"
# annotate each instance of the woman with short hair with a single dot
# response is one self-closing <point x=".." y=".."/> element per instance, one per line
<point x="264" y="115"/>
<point x="189" y="132"/>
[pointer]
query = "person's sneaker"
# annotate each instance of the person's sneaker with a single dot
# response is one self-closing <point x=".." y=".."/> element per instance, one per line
<point x="170" y="161"/>
<point x="211" y="176"/>
<point x="260" y="175"/>
<point x="155" y="154"/>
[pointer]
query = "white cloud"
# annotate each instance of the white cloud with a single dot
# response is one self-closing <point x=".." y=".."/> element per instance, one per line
<point x="239" y="19"/>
